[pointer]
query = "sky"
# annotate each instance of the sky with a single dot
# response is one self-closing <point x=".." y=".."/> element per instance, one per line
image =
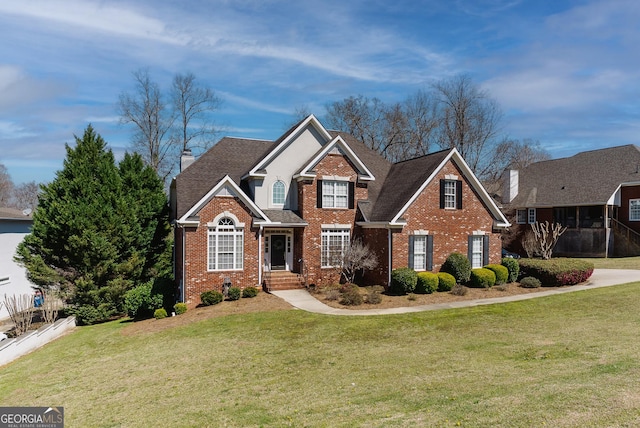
<point x="565" y="73"/>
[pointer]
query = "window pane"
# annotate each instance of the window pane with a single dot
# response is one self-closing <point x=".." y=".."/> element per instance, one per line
<point x="334" y="244"/>
<point x="449" y="194"/>
<point x="634" y="210"/>
<point x="335" y="194"/>
<point x="476" y="252"/>
<point x="278" y="193"/>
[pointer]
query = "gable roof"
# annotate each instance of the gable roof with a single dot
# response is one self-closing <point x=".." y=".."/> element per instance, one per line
<point x="587" y="178"/>
<point x="230" y="156"/>
<point x="337" y="143"/>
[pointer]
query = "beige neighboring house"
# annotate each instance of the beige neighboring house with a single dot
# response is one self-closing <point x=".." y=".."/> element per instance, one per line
<point x="14" y="226"/>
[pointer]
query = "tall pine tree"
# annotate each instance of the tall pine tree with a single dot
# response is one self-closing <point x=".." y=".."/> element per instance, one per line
<point x="96" y="231"/>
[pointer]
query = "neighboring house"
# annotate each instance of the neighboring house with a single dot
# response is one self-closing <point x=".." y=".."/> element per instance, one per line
<point x="281" y="213"/>
<point x="595" y="194"/>
<point x="14" y="226"/>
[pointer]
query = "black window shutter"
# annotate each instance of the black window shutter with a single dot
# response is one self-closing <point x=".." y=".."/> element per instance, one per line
<point x="319" y="195"/>
<point x="485" y="250"/>
<point x="459" y="194"/>
<point x="442" y="193"/>
<point x="352" y="194"/>
<point x="411" y="242"/>
<point x="429" y="252"/>
<point x="470" y="250"/>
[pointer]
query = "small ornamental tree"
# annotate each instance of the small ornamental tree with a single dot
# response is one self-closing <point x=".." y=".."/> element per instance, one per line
<point x="358" y="257"/>
<point x="546" y="236"/>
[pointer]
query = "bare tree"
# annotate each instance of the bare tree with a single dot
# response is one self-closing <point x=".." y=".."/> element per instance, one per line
<point x="148" y="111"/>
<point x="300" y="112"/>
<point x="422" y="120"/>
<point x="469" y="121"/>
<point x="356" y="258"/>
<point x="25" y="195"/>
<point x="193" y="104"/>
<point x="547" y="235"/>
<point x="6" y="186"/>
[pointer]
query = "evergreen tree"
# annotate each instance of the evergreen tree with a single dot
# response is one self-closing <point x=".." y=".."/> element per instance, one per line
<point x="89" y="239"/>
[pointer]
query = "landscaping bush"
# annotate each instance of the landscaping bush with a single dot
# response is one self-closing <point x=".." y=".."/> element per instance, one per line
<point x="140" y="302"/>
<point x="403" y="280"/>
<point x="459" y="290"/>
<point x="373" y="297"/>
<point x="180" y="308"/>
<point x="446" y="281"/>
<point x="250" y="292"/>
<point x="234" y="293"/>
<point x="557" y="272"/>
<point x="87" y="315"/>
<point x="502" y="273"/>
<point x="482" y="278"/>
<point x="160" y="313"/>
<point x="529" y="282"/>
<point x="427" y="282"/>
<point x="513" y="267"/>
<point x="211" y="297"/>
<point x="350" y="295"/>
<point x="459" y="266"/>
<point x="332" y="294"/>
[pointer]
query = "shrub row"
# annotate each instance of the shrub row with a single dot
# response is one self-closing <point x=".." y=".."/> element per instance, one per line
<point x="213" y="297"/>
<point x="557" y="272"/>
<point x="405" y="280"/>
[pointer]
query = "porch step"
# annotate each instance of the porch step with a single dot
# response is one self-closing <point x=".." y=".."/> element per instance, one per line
<point x="283" y="280"/>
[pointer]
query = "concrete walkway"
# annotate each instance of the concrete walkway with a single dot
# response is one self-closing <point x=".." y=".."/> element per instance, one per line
<point x="301" y="299"/>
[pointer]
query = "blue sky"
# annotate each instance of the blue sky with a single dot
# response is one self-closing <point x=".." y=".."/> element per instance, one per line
<point x="565" y="72"/>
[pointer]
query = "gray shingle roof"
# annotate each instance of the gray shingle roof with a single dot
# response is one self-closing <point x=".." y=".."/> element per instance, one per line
<point x="284" y="216"/>
<point x="402" y="182"/>
<point x="587" y="178"/>
<point x="230" y="156"/>
<point x="14" y="214"/>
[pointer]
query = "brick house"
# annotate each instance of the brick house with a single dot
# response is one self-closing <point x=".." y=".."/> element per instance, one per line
<point x="595" y="194"/>
<point x="280" y="213"/>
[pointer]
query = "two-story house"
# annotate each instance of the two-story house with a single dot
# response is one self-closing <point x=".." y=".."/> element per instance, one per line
<point x="282" y="213"/>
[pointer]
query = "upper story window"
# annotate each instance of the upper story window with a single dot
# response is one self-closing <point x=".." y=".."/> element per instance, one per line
<point x="278" y="193"/>
<point x="226" y="246"/>
<point x="451" y="194"/>
<point x="335" y="194"/>
<point x="634" y="210"/>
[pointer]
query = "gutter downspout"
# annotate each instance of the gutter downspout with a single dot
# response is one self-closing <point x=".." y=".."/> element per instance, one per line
<point x="260" y="256"/>
<point x="389" y="241"/>
<point x="184" y="273"/>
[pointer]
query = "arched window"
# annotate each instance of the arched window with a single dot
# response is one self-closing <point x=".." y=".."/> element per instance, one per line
<point x="278" y="193"/>
<point x="226" y="245"/>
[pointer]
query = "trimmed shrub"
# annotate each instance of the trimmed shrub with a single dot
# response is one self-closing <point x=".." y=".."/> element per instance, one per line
<point x="87" y="315"/>
<point x="180" y="308"/>
<point x="331" y="294"/>
<point x="211" y="297"/>
<point x="373" y="297"/>
<point x="529" y="282"/>
<point x="160" y="313"/>
<point x="140" y="302"/>
<point x="459" y="266"/>
<point x="403" y="280"/>
<point x="350" y="295"/>
<point x="459" y="290"/>
<point x="427" y="282"/>
<point x="557" y="272"/>
<point x="502" y="273"/>
<point x="446" y="281"/>
<point x="234" y="293"/>
<point x="250" y="292"/>
<point x="482" y="278"/>
<point x="513" y="267"/>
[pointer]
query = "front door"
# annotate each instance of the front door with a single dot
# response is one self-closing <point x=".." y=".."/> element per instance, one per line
<point x="278" y="249"/>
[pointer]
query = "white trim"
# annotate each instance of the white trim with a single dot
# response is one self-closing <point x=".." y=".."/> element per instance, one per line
<point x="451" y="177"/>
<point x="478" y="233"/>
<point x="310" y="120"/>
<point x="633" y="200"/>
<point x="335" y="178"/>
<point x="226" y="181"/>
<point x="223" y="214"/>
<point x="420" y="232"/>
<point x="306" y="171"/>
<point x="473" y="180"/>
<point x="335" y="226"/>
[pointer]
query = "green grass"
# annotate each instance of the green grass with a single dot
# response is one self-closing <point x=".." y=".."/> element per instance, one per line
<point x="616" y="263"/>
<point x="570" y="360"/>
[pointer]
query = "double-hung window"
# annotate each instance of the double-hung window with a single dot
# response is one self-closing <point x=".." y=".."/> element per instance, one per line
<point x="335" y="194"/>
<point x="226" y="246"/>
<point x="634" y="210"/>
<point x="421" y="252"/>
<point x="451" y="194"/>
<point x="478" y="250"/>
<point x="334" y="244"/>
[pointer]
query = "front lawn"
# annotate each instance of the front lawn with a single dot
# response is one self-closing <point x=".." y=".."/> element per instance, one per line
<point x="564" y="361"/>
<point x="615" y="263"/>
